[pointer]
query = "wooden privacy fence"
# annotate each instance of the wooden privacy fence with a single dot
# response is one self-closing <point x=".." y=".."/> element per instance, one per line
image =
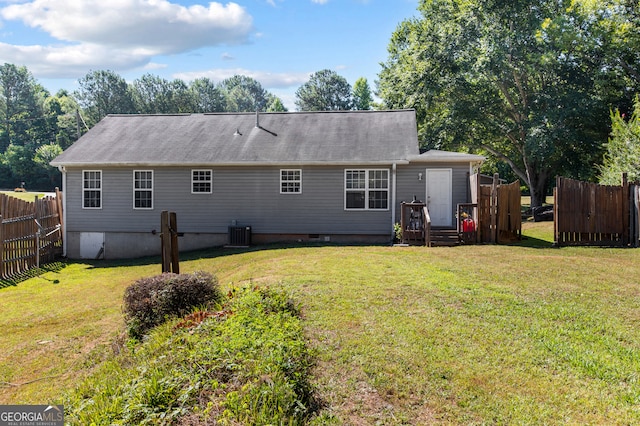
<point x="496" y="211"/>
<point x="591" y="214"/>
<point x="30" y="233"/>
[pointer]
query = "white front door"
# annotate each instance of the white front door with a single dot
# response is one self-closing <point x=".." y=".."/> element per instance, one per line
<point x="439" y="196"/>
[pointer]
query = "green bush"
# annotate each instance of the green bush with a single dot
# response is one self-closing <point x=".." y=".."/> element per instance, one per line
<point x="151" y="301"/>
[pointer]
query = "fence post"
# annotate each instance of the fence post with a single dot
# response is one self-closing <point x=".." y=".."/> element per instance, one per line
<point x="173" y="225"/>
<point x="2" y="269"/>
<point x="38" y="218"/>
<point x="626" y="232"/>
<point x="165" y="241"/>
<point x="633" y="226"/>
<point x="494" y="208"/>
<point x="555" y="211"/>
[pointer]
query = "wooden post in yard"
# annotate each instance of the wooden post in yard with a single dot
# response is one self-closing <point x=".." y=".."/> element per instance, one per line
<point x="165" y="241"/>
<point x="169" y="242"/>
<point x="175" y="261"/>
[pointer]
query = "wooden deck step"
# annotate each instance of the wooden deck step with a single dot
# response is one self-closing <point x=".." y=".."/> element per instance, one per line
<point x="444" y="237"/>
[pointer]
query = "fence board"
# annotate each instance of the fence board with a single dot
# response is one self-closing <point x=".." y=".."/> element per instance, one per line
<point x="509" y="213"/>
<point x="591" y="214"/>
<point x="505" y="200"/>
<point x="29" y="234"/>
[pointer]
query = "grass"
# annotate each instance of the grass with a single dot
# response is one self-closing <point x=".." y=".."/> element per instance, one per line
<point x="25" y="196"/>
<point x="523" y="334"/>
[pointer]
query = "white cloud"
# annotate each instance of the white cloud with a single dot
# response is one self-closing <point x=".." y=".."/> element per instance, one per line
<point x="266" y="79"/>
<point x="155" y="66"/>
<point x="68" y="61"/>
<point x="156" y="25"/>
<point x="319" y="1"/>
<point x="119" y="34"/>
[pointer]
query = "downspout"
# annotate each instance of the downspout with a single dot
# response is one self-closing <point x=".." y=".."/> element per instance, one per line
<point x="393" y="199"/>
<point x="64" y="210"/>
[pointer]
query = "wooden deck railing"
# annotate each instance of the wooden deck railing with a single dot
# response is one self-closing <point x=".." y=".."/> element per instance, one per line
<point x="427" y="226"/>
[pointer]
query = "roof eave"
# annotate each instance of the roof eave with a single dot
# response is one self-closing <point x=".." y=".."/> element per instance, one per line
<point x="233" y="164"/>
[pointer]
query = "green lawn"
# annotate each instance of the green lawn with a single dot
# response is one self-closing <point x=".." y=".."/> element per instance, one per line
<point x="523" y="334"/>
<point x="26" y="196"/>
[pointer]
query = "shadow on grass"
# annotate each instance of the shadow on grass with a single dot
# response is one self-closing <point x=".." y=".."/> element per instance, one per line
<point x="209" y="253"/>
<point x="532" y="242"/>
<point x="36" y="272"/>
<point x="212" y="253"/>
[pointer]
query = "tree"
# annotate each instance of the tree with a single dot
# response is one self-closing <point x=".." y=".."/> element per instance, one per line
<point x="153" y="95"/>
<point x="325" y="91"/>
<point x="21" y="100"/>
<point x="61" y="111"/>
<point x="182" y="98"/>
<point x="362" y="99"/>
<point x="19" y="160"/>
<point x="43" y="156"/>
<point x="275" y="104"/>
<point x="102" y="93"/>
<point x="244" y="94"/>
<point x="156" y="95"/>
<point x="623" y="148"/>
<point x="207" y="96"/>
<point x="518" y="80"/>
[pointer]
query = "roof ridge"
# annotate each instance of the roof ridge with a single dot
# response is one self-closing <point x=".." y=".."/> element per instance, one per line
<point x="227" y="113"/>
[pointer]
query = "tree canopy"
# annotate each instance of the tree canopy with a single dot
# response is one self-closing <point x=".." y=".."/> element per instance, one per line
<point x="362" y="98"/>
<point x="529" y="83"/>
<point x="104" y="92"/>
<point x="622" y="153"/>
<point x="325" y="91"/>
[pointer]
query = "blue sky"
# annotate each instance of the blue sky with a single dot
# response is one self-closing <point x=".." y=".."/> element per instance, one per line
<point x="280" y="43"/>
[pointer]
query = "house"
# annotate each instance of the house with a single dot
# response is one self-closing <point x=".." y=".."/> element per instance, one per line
<point x="303" y="176"/>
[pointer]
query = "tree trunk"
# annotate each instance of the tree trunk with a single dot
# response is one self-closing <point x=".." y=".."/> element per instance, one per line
<point x="537" y="187"/>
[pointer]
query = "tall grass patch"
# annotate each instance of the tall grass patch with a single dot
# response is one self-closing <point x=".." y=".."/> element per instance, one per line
<point x="245" y="364"/>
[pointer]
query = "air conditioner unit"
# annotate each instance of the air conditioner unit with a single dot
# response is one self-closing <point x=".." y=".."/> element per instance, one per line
<point x="239" y="235"/>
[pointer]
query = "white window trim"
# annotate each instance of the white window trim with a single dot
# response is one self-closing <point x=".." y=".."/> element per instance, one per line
<point x="282" y="181"/>
<point x="210" y="181"/>
<point x="133" y="185"/>
<point x="366" y="190"/>
<point x="92" y="189"/>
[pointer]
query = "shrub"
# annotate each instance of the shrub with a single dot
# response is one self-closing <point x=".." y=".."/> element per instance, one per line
<point x="150" y="301"/>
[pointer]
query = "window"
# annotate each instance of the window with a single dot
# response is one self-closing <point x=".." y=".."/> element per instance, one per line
<point x="367" y="189"/>
<point x="291" y="181"/>
<point x="142" y="189"/>
<point x="201" y="182"/>
<point x="92" y="189"/>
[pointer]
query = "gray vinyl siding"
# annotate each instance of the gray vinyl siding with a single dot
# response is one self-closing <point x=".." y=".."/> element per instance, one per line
<point x="248" y="196"/>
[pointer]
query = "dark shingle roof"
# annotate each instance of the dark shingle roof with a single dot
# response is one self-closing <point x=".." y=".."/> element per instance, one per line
<point x="282" y="138"/>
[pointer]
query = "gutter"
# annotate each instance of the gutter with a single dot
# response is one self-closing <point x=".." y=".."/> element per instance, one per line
<point x="393" y="198"/>
<point x="63" y="170"/>
<point x="234" y="164"/>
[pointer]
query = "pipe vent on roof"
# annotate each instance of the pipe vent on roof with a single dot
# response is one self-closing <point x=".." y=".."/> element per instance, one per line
<point x="257" y="119"/>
